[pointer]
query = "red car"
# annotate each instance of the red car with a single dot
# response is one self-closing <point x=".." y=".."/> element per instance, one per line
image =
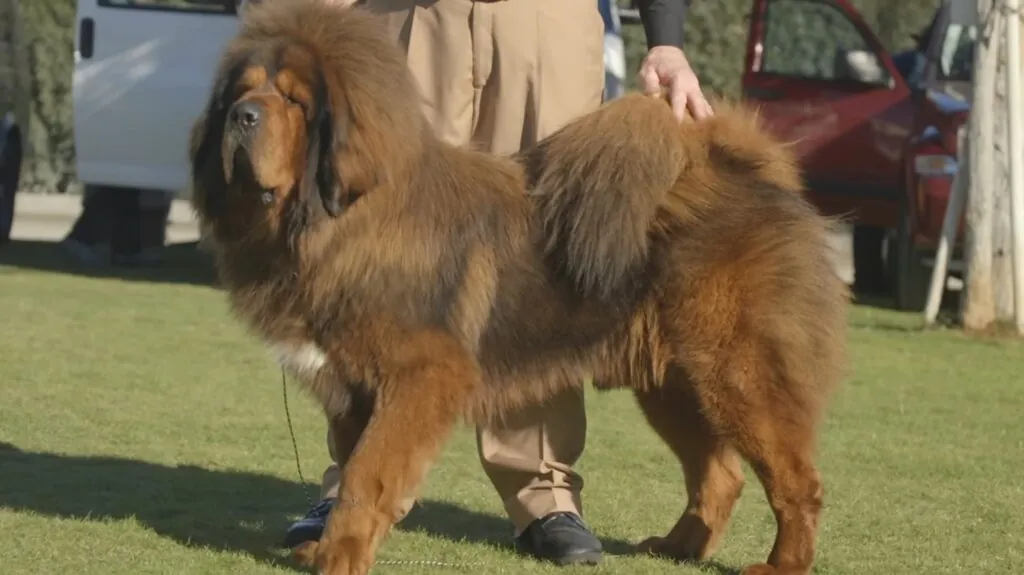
<point x="877" y="133"/>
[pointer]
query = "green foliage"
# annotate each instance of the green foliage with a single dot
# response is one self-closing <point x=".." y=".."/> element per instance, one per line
<point x="49" y="27"/>
<point x="895" y="22"/>
<point x="14" y="79"/>
<point x="825" y="32"/>
<point x="716" y="37"/>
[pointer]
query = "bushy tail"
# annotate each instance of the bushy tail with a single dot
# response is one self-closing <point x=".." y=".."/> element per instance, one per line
<point x="607" y="183"/>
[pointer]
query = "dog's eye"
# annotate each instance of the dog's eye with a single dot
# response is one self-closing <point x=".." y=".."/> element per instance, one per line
<point x="294" y="101"/>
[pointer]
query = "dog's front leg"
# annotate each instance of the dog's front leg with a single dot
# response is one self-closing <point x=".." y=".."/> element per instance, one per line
<point x="424" y="388"/>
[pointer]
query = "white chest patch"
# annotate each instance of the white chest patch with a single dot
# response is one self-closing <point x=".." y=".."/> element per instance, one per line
<point x="304" y="359"/>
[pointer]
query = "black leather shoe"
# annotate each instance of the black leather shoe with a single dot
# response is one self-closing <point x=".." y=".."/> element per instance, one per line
<point x="310" y="527"/>
<point x="561" y="538"/>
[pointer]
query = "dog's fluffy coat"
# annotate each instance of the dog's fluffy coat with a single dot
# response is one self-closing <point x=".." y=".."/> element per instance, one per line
<point x="427" y="283"/>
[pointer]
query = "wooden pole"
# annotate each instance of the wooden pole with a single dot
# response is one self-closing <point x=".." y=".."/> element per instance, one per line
<point x="978" y="306"/>
<point x="1015" y="150"/>
<point x="950" y="224"/>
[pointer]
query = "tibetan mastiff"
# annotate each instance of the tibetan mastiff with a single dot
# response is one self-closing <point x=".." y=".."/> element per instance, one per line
<point x="411" y="284"/>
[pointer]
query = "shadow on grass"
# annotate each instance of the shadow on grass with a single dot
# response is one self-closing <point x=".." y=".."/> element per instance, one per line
<point x="906" y="321"/>
<point x="873" y="299"/>
<point x="949" y="303"/>
<point x="182" y="263"/>
<point x="223" y="510"/>
<point x="196" y="507"/>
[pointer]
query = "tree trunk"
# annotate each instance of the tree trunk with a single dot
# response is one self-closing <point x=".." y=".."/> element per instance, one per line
<point x="978" y="305"/>
<point x="1002" y="232"/>
<point x="1015" y="151"/>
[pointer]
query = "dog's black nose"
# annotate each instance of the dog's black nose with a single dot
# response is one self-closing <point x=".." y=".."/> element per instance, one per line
<point x="246" y="114"/>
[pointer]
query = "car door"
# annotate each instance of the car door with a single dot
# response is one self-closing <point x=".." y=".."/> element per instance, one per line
<point x="143" y="69"/>
<point x="824" y="82"/>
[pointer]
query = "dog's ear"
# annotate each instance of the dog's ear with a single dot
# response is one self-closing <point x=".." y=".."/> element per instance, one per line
<point x="322" y="190"/>
<point x="331" y="134"/>
<point x="343" y="175"/>
<point x="205" y="144"/>
<point x="307" y="202"/>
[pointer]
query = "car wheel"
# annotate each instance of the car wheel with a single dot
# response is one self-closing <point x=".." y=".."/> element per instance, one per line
<point x="9" y="179"/>
<point x="6" y="216"/>
<point x="911" y="277"/>
<point x="869" y="272"/>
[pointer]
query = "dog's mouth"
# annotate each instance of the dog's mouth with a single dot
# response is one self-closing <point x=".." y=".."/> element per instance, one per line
<point x="238" y="165"/>
<point x="242" y="166"/>
<point x="230" y="147"/>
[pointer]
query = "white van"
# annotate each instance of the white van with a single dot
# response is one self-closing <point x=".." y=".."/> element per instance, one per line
<point x="143" y="69"/>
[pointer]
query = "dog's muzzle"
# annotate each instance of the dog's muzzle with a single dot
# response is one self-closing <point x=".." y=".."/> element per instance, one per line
<point x="243" y="123"/>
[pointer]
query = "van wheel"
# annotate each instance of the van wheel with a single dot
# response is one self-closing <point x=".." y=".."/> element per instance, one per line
<point x="10" y="175"/>
<point x="6" y="214"/>
<point x="911" y="277"/>
<point x="869" y="272"/>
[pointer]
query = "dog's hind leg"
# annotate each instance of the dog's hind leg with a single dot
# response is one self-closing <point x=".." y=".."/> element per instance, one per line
<point x="423" y="389"/>
<point x="765" y="417"/>
<point x="783" y="461"/>
<point x="714" y="478"/>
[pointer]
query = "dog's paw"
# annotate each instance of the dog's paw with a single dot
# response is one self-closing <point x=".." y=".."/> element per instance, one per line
<point x="330" y="560"/>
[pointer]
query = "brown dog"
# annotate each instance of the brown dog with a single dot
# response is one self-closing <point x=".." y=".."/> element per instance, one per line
<point x="412" y="284"/>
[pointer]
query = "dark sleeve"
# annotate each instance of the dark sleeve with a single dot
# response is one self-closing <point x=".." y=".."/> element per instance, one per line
<point x="663" y="21"/>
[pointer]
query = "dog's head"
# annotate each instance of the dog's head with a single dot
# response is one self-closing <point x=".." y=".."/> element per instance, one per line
<point x="267" y="142"/>
<point x="305" y="116"/>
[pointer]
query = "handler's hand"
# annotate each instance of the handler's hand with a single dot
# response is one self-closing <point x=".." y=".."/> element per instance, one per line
<point x="667" y="66"/>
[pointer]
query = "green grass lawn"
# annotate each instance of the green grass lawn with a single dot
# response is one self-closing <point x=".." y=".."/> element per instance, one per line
<point x="141" y="431"/>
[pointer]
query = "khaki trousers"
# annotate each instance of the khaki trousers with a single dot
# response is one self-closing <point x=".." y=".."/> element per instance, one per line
<point x="502" y="74"/>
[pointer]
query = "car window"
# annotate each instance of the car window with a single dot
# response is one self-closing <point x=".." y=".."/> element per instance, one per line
<point x="816" y="40"/>
<point x="956" y="53"/>
<point x="209" y="6"/>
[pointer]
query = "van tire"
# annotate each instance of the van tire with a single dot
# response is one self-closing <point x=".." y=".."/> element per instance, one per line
<point x="10" y="177"/>
<point x="910" y="276"/>
<point x="870" y="276"/>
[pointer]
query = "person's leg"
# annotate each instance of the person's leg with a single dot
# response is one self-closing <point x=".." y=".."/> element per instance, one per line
<point x="436" y="37"/>
<point x="529" y="461"/>
<point x="542" y="64"/>
<point x="438" y="40"/>
<point x="93" y="225"/>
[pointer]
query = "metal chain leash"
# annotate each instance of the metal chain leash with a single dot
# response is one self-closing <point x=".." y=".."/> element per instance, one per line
<point x="291" y="431"/>
<point x="426" y="563"/>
